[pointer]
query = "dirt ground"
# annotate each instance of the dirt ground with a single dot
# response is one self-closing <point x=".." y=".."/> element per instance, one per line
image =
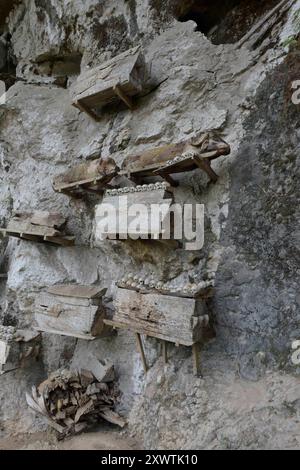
<point x="97" y="440"/>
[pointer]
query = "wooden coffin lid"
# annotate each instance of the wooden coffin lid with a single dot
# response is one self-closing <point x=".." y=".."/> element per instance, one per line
<point x="82" y="292"/>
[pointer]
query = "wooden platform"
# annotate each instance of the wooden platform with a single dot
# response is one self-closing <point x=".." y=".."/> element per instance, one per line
<point x="164" y="161"/>
<point x="40" y="227"/>
<point x="120" y="78"/>
<point x="72" y="310"/>
<point x="91" y="177"/>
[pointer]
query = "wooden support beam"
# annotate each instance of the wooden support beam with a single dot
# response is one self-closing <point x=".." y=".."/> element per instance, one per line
<point x="196" y="360"/>
<point x="120" y="93"/>
<point x="87" y="110"/>
<point x="165" y="351"/>
<point x="205" y="166"/>
<point x="141" y="351"/>
<point x="169" y="179"/>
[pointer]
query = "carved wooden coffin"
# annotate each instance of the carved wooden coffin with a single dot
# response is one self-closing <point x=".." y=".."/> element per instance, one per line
<point x="90" y="176"/>
<point x="38" y="226"/>
<point x="123" y="221"/>
<point x="197" y="152"/>
<point x="17" y="348"/>
<point x="72" y="310"/>
<point x="120" y="78"/>
<point x="174" y="319"/>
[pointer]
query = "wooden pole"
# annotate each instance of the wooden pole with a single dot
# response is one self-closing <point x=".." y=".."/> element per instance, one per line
<point x="141" y="351"/>
<point x="196" y="360"/>
<point x="165" y="351"/>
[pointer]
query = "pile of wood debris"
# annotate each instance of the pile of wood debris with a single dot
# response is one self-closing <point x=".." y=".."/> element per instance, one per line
<point x="72" y="401"/>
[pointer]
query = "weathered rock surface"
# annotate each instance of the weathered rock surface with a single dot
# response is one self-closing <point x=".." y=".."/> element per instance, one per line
<point x="249" y="397"/>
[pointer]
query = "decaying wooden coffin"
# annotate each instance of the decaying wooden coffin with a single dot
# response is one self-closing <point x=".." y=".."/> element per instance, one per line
<point x="17" y="348"/>
<point x="91" y="176"/>
<point x="72" y="310"/>
<point x="144" y="285"/>
<point x="120" y="78"/>
<point x="198" y="152"/>
<point x="174" y="319"/>
<point x="118" y="203"/>
<point x="38" y="226"/>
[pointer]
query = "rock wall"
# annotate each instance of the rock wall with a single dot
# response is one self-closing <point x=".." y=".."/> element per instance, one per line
<point x="248" y="397"/>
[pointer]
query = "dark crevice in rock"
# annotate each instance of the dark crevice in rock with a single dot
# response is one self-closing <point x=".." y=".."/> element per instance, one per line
<point x="7" y="61"/>
<point x="225" y="21"/>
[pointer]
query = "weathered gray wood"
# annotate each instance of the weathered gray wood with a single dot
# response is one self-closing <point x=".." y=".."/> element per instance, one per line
<point x="173" y="319"/>
<point x="78" y="291"/>
<point x="85" y="173"/>
<point x="196" y="360"/>
<point x="72" y="310"/>
<point x="207" y="145"/>
<point x="140" y="347"/>
<point x="259" y="27"/>
<point x="119" y="78"/>
<point x="147" y="198"/>
<point x="17" y="352"/>
<point x="75" y="320"/>
<point x="19" y="226"/>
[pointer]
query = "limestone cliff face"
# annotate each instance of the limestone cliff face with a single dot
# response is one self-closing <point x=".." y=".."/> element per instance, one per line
<point x="249" y="397"/>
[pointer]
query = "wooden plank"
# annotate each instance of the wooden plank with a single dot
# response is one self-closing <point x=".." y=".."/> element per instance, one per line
<point x="19" y="226"/>
<point x="136" y="329"/>
<point x="63" y="241"/>
<point x="78" y="291"/>
<point x="61" y="333"/>
<point x="281" y="7"/>
<point x="42" y="218"/>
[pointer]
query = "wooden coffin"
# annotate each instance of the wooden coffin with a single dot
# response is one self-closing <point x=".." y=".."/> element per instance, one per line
<point x="38" y="226"/>
<point x="91" y="176"/>
<point x="72" y="310"/>
<point x="202" y="290"/>
<point x="115" y="208"/>
<point x="173" y="319"/>
<point x="198" y="152"/>
<point x="17" y="348"/>
<point x="118" y="79"/>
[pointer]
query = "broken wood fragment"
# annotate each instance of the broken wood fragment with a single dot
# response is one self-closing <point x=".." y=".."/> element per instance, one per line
<point x="71" y="401"/>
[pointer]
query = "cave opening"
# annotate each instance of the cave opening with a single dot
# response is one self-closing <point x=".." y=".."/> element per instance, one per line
<point x="225" y="21"/>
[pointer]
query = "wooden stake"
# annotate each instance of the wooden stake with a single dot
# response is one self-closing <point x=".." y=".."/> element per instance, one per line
<point x="196" y="359"/>
<point x="141" y="351"/>
<point x="165" y="351"/>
